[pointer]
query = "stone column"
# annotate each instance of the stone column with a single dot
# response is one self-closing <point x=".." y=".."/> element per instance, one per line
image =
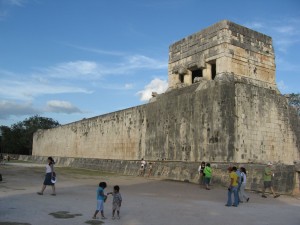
<point x="207" y="72"/>
<point x="188" y="78"/>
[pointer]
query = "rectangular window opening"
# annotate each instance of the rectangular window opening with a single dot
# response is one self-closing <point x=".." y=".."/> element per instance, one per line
<point x="181" y="78"/>
<point x="196" y="73"/>
<point x="213" y="71"/>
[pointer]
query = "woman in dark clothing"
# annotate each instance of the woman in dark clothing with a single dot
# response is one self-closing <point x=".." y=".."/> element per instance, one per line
<point x="49" y="177"/>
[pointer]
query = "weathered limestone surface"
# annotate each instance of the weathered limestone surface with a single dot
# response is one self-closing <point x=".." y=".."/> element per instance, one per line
<point x="217" y="121"/>
<point x="231" y="48"/>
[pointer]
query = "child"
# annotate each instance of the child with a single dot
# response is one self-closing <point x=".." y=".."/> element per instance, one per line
<point x="150" y="169"/>
<point x="101" y="197"/>
<point x="207" y="171"/>
<point x="117" y="201"/>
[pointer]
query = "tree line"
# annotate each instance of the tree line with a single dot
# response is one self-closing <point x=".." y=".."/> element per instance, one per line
<point x="17" y="139"/>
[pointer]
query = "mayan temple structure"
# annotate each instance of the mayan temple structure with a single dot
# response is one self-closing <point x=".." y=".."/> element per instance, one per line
<point x="222" y="106"/>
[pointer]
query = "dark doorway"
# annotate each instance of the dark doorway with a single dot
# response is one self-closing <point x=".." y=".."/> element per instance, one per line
<point x="181" y="78"/>
<point x="213" y="71"/>
<point x="196" y="73"/>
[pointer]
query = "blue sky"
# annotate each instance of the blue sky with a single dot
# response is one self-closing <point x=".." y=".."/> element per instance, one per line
<point x="74" y="59"/>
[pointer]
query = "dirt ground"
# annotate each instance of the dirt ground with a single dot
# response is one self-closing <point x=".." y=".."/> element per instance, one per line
<point x="145" y="201"/>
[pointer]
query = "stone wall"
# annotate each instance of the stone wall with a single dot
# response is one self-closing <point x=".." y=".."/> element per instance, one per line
<point x="191" y="124"/>
<point x="176" y="127"/>
<point x="216" y="121"/>
<point x="284" y="179"/>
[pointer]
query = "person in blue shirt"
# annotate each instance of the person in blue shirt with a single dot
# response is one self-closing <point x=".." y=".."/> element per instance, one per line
<point x="101" y="197"/>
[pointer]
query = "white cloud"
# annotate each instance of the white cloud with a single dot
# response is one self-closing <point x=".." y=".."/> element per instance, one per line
<point x="254" y="25"/>
<point x="128" y="86"/>
<point x="73" y="69"/>
<point x="8" y="108"/>
<point x="156" y="85"/>
<point x="282" y="86"/>
<point x="58" y="106"/>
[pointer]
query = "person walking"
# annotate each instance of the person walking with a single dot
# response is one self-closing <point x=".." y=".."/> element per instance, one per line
<point x="242" y="194"/>
<point x="208" y="173"/>
<point x="49" y="177"/>
<point x="233" y="187"/>
<point x="268" y="173"/>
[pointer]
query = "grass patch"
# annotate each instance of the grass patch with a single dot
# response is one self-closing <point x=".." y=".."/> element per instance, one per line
<point x="17" y="161"/>
<point x="82" y="171"/>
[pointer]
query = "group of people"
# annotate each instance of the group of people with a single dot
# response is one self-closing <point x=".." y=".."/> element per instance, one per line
<point x="236" y="187"/>
<point x="101" y="198"/>
<point x="205" y="173"/>
<point x="50" y="180"/>
<point x="237" y="182"/>
<point x="4" y="158"/>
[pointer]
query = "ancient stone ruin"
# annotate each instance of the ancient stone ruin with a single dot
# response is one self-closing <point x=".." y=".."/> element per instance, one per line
<point x="222" y="106"/>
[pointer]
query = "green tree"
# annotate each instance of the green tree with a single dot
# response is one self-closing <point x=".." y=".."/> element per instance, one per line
<point x="17" y="139"/>
<point x="294" y="100"/>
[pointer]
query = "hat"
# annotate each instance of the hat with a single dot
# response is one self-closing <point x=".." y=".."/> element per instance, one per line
<point x="270" y="164"/>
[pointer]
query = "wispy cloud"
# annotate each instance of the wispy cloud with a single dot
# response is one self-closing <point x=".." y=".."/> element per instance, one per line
<point x="117" y="87"/>
<point x="71" y="70"/>
<point x="61" y="78"/>
<point x="156" y="85"/>
<point x="285" y="33"/>
<point x="19" y="3"/>
<point x="97" y="51"/>
<point x="13" y="86"/>
<point x="282" y="86"/>
<point x="7" y="5"/>
<point x="18" y="91"/>
<point x="91" y="70"/>
<point x="58" y="106"/>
